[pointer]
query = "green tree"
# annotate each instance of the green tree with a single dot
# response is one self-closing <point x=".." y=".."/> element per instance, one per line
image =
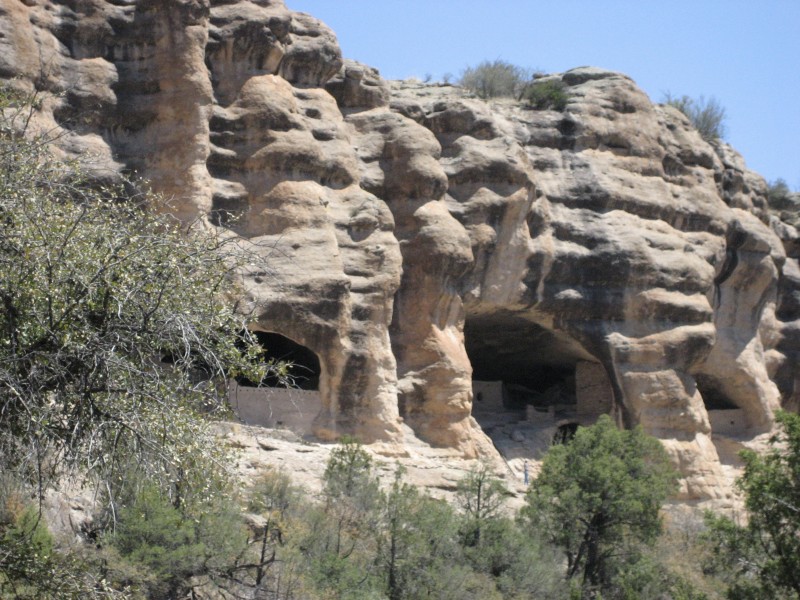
<point x="761" y="558"/>
<point x="165" y="548"/>
<point x="599" y="496"/>
<point x="517" y="561"/>
<point x="115" y="332"/>
<point x="480" y="496"/>
<point x="492" y="79"/>
<point x="707" y="116"/>
<point x="272" y="496"/>
<point x="340" y="541"/>
<point x="116" y="336"/>
<point x="418" y="551"/>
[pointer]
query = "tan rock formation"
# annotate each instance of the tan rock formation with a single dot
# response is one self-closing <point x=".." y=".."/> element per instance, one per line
<point x="631" y="242"/>
<point x="416" y="238"/>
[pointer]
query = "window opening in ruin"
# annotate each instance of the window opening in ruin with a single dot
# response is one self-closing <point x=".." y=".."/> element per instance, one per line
<point x="565" y="433"/>
<point x="304" y="372"/>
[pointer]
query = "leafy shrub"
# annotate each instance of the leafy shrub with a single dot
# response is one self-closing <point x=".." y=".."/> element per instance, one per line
<point x="114" y="331"/>
<point x="784" y="202"/>
<point x="115" y="341"/>
<point x="760" y="558"/>
<point x="780" y="197"/>
<point x="32" y="567"/>
<point x="481" y="496"/>
<point x="707" y="116"/>
<point x="546" y="95"/>
<point x="26" y="549"/>
<point x="598" y="498"/>
<point x="163" y="545"/>
<point x="493" y="79"/>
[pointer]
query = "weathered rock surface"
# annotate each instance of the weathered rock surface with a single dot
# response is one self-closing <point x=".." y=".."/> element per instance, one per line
<point x="415" y="238"/>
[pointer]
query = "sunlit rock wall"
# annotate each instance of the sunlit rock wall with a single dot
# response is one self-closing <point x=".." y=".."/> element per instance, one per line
<point x="411" y="235"/>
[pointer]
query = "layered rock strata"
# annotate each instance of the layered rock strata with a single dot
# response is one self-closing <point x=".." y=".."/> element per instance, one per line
<point x="414" y="237"/>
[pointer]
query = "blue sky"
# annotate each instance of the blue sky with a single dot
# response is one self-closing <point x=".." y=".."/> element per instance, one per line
<point x="745" y="53"/>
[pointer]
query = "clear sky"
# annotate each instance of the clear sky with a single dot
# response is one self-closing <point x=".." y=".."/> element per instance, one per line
<point x="745" y="53"/>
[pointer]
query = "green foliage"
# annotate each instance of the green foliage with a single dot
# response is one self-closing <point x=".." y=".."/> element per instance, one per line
<point x="273" y="497"/>
<point x="273" y="493"/>
<point x="340" y="543"/>
<point x="163" y="544"/>
<point x="114" y="331"/>
<point x="349" y="476"/>
<point x="517" y="562"/>
<point x="646" y="577"/>
<point x="417" y="549"/>
<point x="492" y="79"/>
<point x="598" y="498"/>
<point x="783" y="202"/>
<point x="364" y="542"/>
<point x="707" y="116"/>
<point x="480" y="495"/>
<point x="760" y="558"/>
<point x="27" y="547"/>
<point x="29" y="528"/>
<point x="31" y="567"/>
<point x="779" y="195"/>
<point x="549" y="94"/>
<point x="116" y="339"/>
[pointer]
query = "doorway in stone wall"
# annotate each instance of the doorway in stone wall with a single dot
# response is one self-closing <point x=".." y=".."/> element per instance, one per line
<point x="276" y="403"/>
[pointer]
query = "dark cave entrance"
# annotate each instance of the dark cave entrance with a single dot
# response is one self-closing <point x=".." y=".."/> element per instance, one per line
<point x="713" y="396"/>
<point x="520" y="366"/>
<point x="565" y="433"/>
<point x="724" y="416"/>
<point x="305" y="370"/>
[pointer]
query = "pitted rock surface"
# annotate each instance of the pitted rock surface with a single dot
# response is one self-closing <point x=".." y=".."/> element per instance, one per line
<point x="415" y="237"/>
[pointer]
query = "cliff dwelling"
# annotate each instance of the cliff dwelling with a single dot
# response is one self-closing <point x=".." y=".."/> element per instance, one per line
<point x="725" y="417"/>
<point x="304" y="369"/>
<point x="527" y="372"/>
<point x="374" y="204"/>
<point x="275" y="404"/>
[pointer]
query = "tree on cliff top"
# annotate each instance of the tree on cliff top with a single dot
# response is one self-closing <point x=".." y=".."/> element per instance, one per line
<point x="707" y="116"/>
<point x="492" y="79"/>
<point x="598" y="497"/>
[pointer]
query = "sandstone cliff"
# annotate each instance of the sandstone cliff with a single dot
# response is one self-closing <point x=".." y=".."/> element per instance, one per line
<point x="416" y="238"/>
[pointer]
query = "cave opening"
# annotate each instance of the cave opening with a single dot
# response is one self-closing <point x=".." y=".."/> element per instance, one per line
<point x="304" y="370"/>
<point x="713" y="396"/>
<point x="520" y="366"/>
<point x="565" y="433"/>
<point x="724" y="416"/>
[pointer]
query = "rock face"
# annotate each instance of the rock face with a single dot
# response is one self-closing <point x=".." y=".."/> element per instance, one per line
<point x="416" y="238"/>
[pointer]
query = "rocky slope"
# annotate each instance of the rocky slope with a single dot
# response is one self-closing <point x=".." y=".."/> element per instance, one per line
<point x="414" y="237"/>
